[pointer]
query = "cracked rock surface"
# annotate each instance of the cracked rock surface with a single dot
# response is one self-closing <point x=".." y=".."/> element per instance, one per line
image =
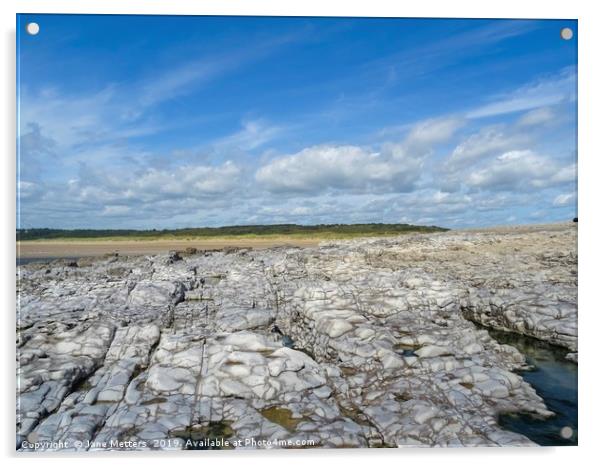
<point x="359" y="343"/>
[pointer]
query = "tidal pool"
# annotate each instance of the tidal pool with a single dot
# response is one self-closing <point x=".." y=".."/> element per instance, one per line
<point x="555" y="380"/>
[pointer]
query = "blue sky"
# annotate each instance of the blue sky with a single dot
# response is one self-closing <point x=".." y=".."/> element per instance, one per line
<point x="169" y="122"/>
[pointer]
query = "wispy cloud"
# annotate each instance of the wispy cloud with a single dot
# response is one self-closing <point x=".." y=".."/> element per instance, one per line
<point x="125" y="110"/>
<point x="442" y="52"/>
<point x="252" y="135"/>
<point x="489" y="140"/>
<point x="543" y="92"/>
<point x="196" y="72"/>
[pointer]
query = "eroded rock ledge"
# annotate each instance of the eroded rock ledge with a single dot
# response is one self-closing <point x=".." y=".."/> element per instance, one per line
<point x="368" y="342"/>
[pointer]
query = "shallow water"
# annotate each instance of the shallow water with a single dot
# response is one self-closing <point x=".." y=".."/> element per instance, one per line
<point x="555" y="380"/>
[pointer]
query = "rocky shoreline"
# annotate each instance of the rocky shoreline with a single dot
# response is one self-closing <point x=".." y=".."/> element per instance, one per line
<point x="359" y="343"/>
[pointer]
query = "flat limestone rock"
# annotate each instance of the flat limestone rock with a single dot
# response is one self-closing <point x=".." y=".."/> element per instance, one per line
<point x="365" y="342"/>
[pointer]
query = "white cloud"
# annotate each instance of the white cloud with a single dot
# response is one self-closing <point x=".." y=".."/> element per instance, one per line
<point x="519" y="170"/>
<point x="69" y="120"/>
<point x="431" y="132"/>
<point x="179" y="81"/>
<point x="565" y="174"/>
<point x="194" y="72"/>
<point x="427" y="57"/>
<point x="338" y="167"/>
<point x="540" y="93"/>
<point x="254" y="134"/>
<point x="149" y="187"/>
<point x="564" y="199"/>
<point x="502" y="157"/>
<point x="395" y="168"/>
<point x="116" y="211"/>
<point x="187" y="181"/>
<point x="539" y="116"/>
<point x="120" y="111"/>
<point x="486" y="142"/>
<point x="28" y="190"/>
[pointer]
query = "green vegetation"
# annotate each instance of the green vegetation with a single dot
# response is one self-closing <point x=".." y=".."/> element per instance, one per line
<point x="246" y="231"/>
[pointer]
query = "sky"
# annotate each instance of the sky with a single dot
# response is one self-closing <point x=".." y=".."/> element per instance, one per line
<point x="173" y="121"/>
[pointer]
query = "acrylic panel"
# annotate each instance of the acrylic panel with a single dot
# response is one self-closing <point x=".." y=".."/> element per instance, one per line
<point x="295" y="232"/>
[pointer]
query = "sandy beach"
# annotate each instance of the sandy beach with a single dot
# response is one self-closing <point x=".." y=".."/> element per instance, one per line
<point x="39" y="249"/>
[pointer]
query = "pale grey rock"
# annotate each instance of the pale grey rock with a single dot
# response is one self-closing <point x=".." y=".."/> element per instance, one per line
<point x="431" y="351"/>
<point x="367" y="342"/>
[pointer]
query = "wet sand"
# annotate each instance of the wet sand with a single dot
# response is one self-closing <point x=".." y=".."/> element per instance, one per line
<point x="58" y="249"/>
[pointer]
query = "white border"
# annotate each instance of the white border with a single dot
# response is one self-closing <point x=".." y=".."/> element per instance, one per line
<point x="590" y="153"/>
<point x="429" y="8"/>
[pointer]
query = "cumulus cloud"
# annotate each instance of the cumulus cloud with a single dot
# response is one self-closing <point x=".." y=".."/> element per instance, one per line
<point x="338" y="167"/>
<point x="117" y="194"/>
<point x="423" y="206"/>
<point x="503" y="157"/>
<point x="171" y="198"/>
<point x="396" y="167"/>
<point x="520" y="170"/>
<point x="187" y="181"/>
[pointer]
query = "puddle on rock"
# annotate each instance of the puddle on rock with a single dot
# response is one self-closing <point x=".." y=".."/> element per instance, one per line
<point x="282" y="417"/>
